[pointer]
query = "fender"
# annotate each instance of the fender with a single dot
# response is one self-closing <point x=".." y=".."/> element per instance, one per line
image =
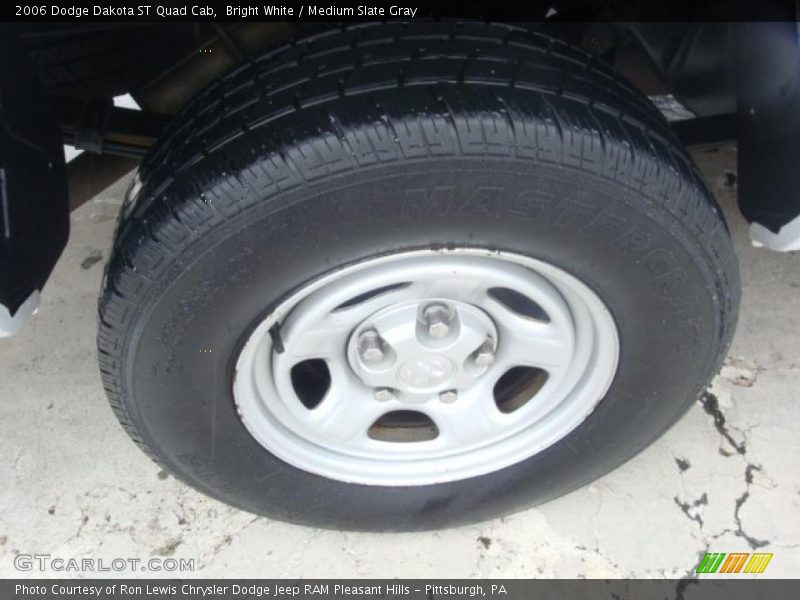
<point x="34" y="206"/>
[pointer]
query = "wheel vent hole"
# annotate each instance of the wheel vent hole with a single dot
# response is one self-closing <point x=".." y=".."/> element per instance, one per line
<point x="517" y="387"/>
<point x="403" y="426"/>
<point x="311" y="380"/>
<point x="370" y="294"/>
<point x="519" y="304"/>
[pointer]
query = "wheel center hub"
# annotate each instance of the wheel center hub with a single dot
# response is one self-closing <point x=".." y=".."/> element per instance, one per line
<point x="419" y="349"/>
<point x="425" y="371"/>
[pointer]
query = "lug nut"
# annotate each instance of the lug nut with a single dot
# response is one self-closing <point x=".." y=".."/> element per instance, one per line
<point x="437" y="320"/>
<point x="484" y="356"/>
<point x="448" y="397"/>
<point x="384" y="394"/>
<point x="369" y="346"/>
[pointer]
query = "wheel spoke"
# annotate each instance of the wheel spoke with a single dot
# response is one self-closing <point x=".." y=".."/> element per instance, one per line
<point x="358" y="312"/>
<point x="327" y="340"/>
<point x="527" y="342"/>
<point x="536" y="346"/>
<point x="460" y="288"/>
<point x="347" y="411"/>
<point x="466" y="422"/>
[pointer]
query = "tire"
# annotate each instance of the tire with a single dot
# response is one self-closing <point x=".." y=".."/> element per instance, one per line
<point x="355" y="146"/>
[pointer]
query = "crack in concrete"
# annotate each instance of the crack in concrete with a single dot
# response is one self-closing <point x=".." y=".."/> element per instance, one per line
<point x="754" y="543"/>
<point x="711" y="406"/>
<point x="683" y="463"/>
<point x="687" y="507"/>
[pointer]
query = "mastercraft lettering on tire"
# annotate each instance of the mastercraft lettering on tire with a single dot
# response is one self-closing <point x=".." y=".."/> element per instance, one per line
<point x="404" y="276"/>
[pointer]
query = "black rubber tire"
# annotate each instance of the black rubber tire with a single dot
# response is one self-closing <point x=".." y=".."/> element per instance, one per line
<point x="378" y="138"/>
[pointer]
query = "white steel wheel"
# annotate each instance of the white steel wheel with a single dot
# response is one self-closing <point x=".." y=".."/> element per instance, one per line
<point x="425" y="367"/>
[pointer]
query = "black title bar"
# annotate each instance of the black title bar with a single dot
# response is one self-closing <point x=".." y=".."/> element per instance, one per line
<point x="345" y="10"/>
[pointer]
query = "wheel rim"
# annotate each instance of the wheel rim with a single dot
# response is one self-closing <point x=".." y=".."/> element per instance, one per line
<point x="425" y="367"/>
